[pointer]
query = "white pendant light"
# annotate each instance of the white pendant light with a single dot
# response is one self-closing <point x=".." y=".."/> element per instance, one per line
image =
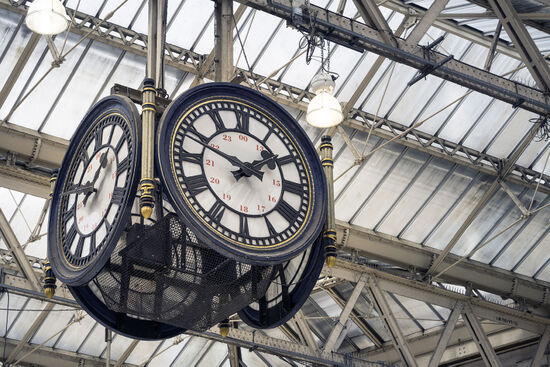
<point x="324" y="110"/>
<point x="46" y="17"/>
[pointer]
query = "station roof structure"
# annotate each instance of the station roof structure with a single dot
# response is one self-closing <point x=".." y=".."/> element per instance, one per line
<point x="442" y="188"/>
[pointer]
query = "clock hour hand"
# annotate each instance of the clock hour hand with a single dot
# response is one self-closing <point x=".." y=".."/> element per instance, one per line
<point x="268" y="158"/>
<point x="247" y="168"/>
<point x="87" y="188"/>
<point x="103" y="163"/>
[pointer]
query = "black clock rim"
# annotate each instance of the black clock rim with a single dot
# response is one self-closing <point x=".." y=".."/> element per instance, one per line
<point x="253" y="256"/>
<point x="119" y="322"/>
<point x="298" y="297"/>
<point x="85" y="274"/>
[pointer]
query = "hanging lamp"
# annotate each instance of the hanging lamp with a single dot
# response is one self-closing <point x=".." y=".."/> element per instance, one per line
<point x="324" y="110"/>
<point x="47" y="17"/>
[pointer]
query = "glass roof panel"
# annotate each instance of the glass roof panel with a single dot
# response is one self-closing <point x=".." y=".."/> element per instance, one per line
<point x="439" y="204"/>
<point x="215" y="355"/>
<point x="383" y="199"/>
<point x="457" y="216"/>
<point x="366" y="181"/>
<point x="95" y="343"/>
<point x="513" y="132"/>
<point x="185" y="28"/>
<point x="16" y="303"/>
<point x="74" y="335"/>
<point x="75" y="100"/>
<point x="142" y="354"/>
<point x="57" y="318"/>
<point x="26" y="318"/>
<point x="421" y="191"/>
<point x="124" y="14"/>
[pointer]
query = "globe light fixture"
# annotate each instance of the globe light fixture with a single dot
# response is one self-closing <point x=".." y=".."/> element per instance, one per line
<point x="47" y="17"/>
<point x="324" y="110"/>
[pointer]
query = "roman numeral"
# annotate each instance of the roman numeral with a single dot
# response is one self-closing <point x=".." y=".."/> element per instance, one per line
<point x="270" y="228"/>
<point x="119" y="144"/>
<point x="196" y="184"/>
<point x="79" y="247"/>
<point x="118" y="195"/>
<point x="69" y="213"/>
<point x="92" y="243"/>
<point x="243" y="121"/>
<point x="288" y="212"/>
<point x="266" y="137"/>
<point x="84" y="157"/>
<point x="284" y="287"/>
<point x="191" y="129"/>
<point x="69" y="237"/>
<point x="216" y="211"/>
<point x="190" y="157"/>
<point x="285" y="160"/>
<point x="243" y="225"/>
<point x="123" y="166"/>
<point x="111" y="134"/>
<point x="293" y="187"/>
<point x="218" y="121"/>
<point x="98" y="135"/>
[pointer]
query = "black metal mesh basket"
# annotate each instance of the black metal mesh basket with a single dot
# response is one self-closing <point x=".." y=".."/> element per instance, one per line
<point x="163" y="273"/>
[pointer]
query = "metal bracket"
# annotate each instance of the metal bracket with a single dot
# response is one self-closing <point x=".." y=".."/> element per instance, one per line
<point x="428" y="69"/>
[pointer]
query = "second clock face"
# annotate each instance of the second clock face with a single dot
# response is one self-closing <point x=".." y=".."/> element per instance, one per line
<point x="241" y="173"/>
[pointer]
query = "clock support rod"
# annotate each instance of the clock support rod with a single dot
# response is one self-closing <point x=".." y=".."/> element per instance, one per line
<point x="153" y="85"/>
<point x="329" y="236"/>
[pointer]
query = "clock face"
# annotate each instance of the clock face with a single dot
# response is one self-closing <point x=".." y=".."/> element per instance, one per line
<point x="94" y="191"/>
<point x="291" y="286"/>
<point x="242" y="171"/>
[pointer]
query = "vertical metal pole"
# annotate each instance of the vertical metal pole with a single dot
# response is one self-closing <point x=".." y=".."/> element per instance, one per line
<point x="223" y="35"/>
<point x="330" y="231"/>
<point x="108" y="338"/>
<point x="162" y="6"/>
<point x="147" y="183"/>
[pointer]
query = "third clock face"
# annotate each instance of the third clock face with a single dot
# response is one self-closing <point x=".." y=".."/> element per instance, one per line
<point x="241" y="172"/>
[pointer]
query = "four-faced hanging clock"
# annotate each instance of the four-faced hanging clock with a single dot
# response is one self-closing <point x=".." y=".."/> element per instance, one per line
<point x="94" y="190"/>
<point x="242" y="173"/>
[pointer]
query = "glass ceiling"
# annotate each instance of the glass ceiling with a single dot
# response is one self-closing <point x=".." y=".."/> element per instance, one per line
<point x="395" y="190"/>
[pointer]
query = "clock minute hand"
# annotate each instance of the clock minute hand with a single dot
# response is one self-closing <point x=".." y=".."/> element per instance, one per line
<point x="86" y="188"/>
<point x="268" y="158"/>
<point x="248" y="170"/>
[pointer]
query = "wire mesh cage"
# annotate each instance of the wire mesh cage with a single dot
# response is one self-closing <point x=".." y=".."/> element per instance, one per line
<point x="163" y="273"/>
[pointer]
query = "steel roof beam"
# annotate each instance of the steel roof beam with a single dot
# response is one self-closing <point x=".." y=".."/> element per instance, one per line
<point x="384" y="311"/>
<point x="356" y="35"/>
<point x="426" y="292"/>
<point x="372" y="15"/>
<point x="426" y="21"/>
<point x="446" y="335"/>
<point x="47" y="356"/>
<point x="543" y="344"/>
<point x="523" y="42"/>
<point x="15" y="247"/>
<point x="478" y="334"/>
<point x="331" y="344"/>
<point x="357" y="318"/>
<point x="408" y="254"/>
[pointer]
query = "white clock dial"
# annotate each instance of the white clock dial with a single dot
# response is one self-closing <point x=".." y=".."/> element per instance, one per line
<point x="242" y="173"/>
<point x="94" y="192"/>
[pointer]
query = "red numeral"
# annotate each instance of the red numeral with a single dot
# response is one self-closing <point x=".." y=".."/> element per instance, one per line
<point x="272" y="198"/>
<point x="259" y="147"/>
<point x="110" y="195"/>
<point x="215" y="146"/>
<point x="276" y="182"/>
<point x="226" y="137"/>
<point x="214" y="180"/>
<point x="210" y="162"/>
<point x="243" y="137"/>
<point x="261" y="208"/>
<point x="226" y="196"/>
<point x="89" y="169"/>
<point x="244" y="209"/>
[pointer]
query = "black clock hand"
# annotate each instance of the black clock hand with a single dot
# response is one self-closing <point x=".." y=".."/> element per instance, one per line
<point x="87" y="188"/>
<point x="268" y="158"/>
<point x="103" y="163"/>
<point x="247" y="168"/>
